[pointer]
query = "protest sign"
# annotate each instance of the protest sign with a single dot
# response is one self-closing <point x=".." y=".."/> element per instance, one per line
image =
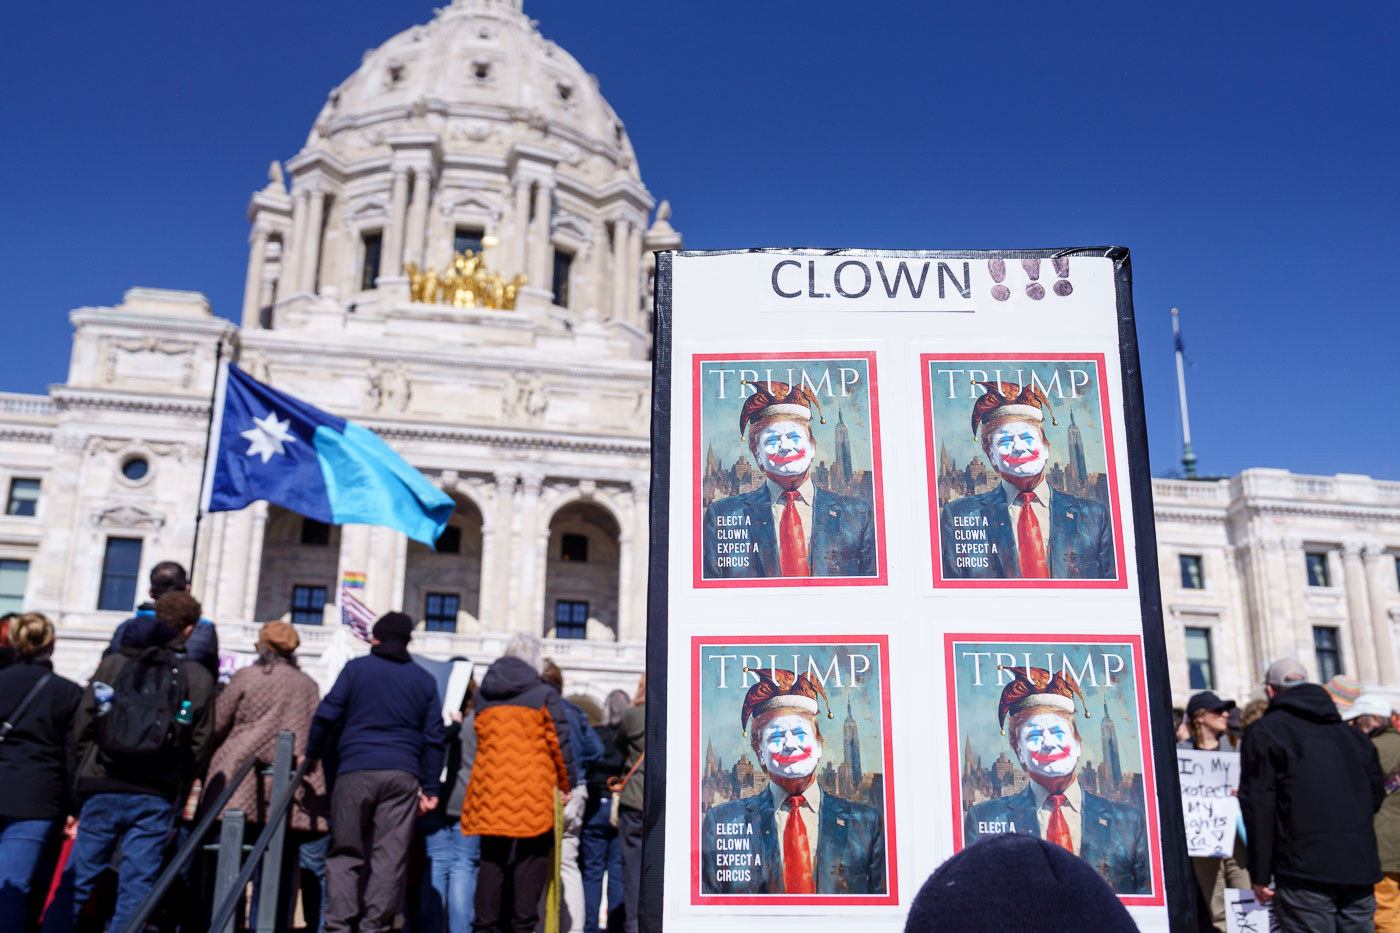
<point x="1209" y="782"/>
<point x="903" y="588"/>
<point x="1244" y="914"/>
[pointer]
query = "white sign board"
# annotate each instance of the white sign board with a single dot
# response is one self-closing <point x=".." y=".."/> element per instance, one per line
<point x="1244" y="914"/>
<point x="1209" y="783"/>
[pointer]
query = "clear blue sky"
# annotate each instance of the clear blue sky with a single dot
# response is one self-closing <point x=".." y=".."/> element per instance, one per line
<point x="1246" y="153"/>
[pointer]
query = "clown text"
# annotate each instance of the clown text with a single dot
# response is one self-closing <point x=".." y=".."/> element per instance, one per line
<point x="970" y="544"/>
<point x="732" y="542"/>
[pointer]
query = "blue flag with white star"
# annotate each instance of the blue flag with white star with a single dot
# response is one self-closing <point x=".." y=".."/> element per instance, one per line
<point x="270" y="445"/>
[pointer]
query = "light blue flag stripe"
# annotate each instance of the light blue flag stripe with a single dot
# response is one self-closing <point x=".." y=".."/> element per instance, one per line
<point x="368" y="483"/>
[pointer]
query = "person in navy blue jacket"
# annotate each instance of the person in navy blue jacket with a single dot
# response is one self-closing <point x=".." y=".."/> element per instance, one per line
<point x="382" y="722"/>
<point x="202" y="647"/>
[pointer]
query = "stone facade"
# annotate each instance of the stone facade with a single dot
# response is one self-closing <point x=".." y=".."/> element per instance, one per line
<point x="534" y="419"/>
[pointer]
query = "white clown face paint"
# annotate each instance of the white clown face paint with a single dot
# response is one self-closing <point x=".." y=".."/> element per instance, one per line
<point x="1048" y="746"/>
<point x="791" y="748"/>
<point x="1017" y="449"/>
<point x="784" y="449"/>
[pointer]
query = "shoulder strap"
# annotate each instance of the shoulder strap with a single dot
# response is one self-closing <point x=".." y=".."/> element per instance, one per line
<point x="8" y="725"/>
<point x="615" y="785"/>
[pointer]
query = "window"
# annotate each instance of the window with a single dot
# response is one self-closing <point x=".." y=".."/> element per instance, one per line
<point x="570" y="619"/>
<point x="24" y="497"/>
<point x="121" y="567"/>
<point x="1191" y="576"/>
<point x="314" y="532"/>
<point x="450" y="541"/>
<point x="135" y="468"/>
<point x="574" y="548"/>
<point x="1397" y="572"/>
<point x="466" y="238"/>
<point x="373" y="243"/>
<point x="307" y="604"/>
<point x="1329" y="652"/>
<point x="14" y="574"/>
<point x="563" y="262"/>
<point x="1317" y="571"/>
<point x="1200" y="665"/>
<point x="440" y="612"/>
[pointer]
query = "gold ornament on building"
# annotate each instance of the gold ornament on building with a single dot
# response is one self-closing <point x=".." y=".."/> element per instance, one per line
<point x="467" y="282"/>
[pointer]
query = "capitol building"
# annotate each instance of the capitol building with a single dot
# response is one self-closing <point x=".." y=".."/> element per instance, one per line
<point x="384" y="284"/>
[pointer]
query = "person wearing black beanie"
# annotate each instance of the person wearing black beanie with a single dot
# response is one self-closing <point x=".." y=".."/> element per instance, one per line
<point x="968" y="893"/>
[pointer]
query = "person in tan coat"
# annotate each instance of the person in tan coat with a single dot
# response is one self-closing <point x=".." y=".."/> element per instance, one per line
<point x="270" y="696"/>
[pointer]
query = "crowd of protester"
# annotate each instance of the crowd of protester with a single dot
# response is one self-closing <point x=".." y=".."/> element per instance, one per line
<point x="526" y="805"/>
<point x="524" y="812"/>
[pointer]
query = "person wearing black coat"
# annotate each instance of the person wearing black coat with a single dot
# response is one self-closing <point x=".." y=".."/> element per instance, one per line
<point x="1309" y="788"/>
<point x="600" y="851"/>
<point x="36" y="761"/>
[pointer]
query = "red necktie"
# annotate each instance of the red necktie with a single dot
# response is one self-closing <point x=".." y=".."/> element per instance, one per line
<point x="1058" y="833"/>
<point x="793" y="543"/>
<point x="797" y="857"/>
<point x="1028" y="543"/>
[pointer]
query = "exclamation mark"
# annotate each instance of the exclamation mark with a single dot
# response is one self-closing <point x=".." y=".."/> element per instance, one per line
<point x="1035" y="290"/>
<point x="1062" y="287"/>
<point x="997" y="268"/>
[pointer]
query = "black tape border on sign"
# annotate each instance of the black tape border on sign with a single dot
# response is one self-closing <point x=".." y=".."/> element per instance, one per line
<point x="1179" y="881"/>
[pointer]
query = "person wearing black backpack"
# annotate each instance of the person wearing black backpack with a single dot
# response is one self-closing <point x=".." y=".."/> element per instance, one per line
<point x="142" y="733"/>
<point x="37" y="707"/>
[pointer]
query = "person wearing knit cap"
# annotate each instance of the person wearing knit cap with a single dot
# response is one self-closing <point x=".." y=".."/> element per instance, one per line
<point x="382" y="723"/>
<point x="1343" y="690"/>
<point x="803" y="840"/>
<point x="1037" y="713"/>
<point x="1029" y="528"/>
<point x="792" y="527"/>
<point x="968" y="893"/>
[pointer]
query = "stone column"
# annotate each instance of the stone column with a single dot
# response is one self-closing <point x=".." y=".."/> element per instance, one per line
<point x="626" y="582"/>
<point x="621" y="237"/>
<point x="519" y="249"/>
<point x="632" y="292"/>
<point x="309" y="257"/>
<point x="540" y="255"/>
<point x="1363" y="638"/>
<point x="418" y="216"/>
<point x="253" y="574"/>
<point x="291" y="252"/>
<point x="524" y="554"/>
<point x="641" y="540"/>
<point x="391" y="256"/>
<point x="1380" y="571"/>
<point x="253" y="283"/>
<point x="494" y="586"/>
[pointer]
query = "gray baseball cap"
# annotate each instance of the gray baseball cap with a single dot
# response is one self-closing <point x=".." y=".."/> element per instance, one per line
<point x="1285" y="672"/>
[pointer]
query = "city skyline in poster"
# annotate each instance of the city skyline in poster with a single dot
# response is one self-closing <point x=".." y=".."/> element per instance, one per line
<point x="768" y="427"/>
<point x="1091" y="690"/>
<point x="739" y="852"/>
<point x="1002" y="428"/>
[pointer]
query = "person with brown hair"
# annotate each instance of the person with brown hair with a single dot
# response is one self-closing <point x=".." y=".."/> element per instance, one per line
<point x="1208" y="717"/>
<point x="588" y="751"/>
<point x="269" y="696"/>
<point x="136" y="759"/>
<point x="632" y="740"/>
<point x="35" y="759"/>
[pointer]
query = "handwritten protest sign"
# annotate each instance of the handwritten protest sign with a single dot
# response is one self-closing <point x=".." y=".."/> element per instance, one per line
<point x="1244" y="914"/>
<point x="1208" y="784"/>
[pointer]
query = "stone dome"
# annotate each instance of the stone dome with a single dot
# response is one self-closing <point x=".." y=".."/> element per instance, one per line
<point x="481" y="77"/>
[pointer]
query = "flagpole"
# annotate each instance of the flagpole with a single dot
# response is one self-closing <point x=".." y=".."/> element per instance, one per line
<point x="1188" y="458"/>
<point x="204" y="473"/>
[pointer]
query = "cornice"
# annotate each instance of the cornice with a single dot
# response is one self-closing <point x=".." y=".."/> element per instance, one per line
<point x="69" y="399"/>
<point x="1346" y="511"/>
<point x="1192" y="516"/>
<point x="212" y="326"/>
<point x="516" y="440"/>
<point x="268" y="341"/>
<point x="26" y="435"/>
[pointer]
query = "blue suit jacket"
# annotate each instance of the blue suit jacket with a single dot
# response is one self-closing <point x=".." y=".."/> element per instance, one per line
<point x="1113" y="836"/>
<point x="850" y="848"/>
<point x="843" y="535"/>
<point x="1080" y="543"/>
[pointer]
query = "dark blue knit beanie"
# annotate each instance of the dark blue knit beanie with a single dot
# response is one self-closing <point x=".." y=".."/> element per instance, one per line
<point x="1015" y="882"/>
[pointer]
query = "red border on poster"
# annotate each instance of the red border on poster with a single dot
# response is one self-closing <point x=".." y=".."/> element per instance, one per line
<point x="882" y="576"/>
<point x="891" y="897"/>
<point x="1149" y="780"/>
<point x="931" y="456"/>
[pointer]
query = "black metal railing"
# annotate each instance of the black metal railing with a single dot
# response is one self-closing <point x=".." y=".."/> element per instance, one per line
<point x="230" y="846"/>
